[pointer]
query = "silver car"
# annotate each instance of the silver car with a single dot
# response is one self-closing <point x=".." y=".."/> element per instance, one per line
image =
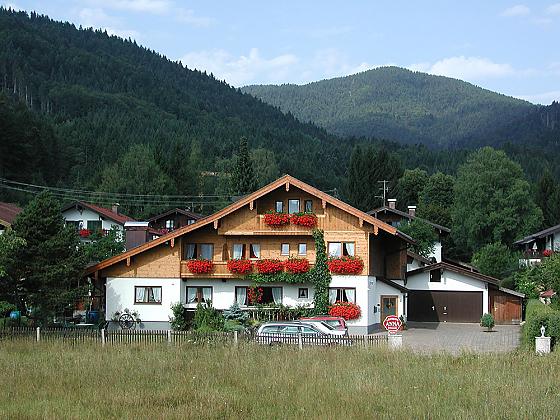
<point x="289" y="332"/>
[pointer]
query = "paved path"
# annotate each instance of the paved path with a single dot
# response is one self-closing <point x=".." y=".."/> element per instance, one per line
<point x="455" y="338"/>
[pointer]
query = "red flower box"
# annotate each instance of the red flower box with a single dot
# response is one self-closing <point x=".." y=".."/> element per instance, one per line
<point x="297" y="265"/>
<point x="84" y="233"/>
<point x="345" y="310"/>
<point x="240" y="266"/>
<point x="275" y="219"/>
<point x="304" y="219"/>
<point x="200" y="266"/>
<point x="269" y="266"/>
<point x="346" y="265"/>
<point x="547" y="252"/>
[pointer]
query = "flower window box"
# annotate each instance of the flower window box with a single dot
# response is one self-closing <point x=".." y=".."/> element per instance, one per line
<point x="304" y="219"/>
<point x="269" y="266"/>
<point x="346" y="265"/>
<point x="547" y="252"/>
<point x="84" y="233"/>
<point x="276" y="219"/>
<point x="240" y="266"/>
<point x="200" y="266"/>
<point x="346" y="310"/>
<point x="297" y="265"/>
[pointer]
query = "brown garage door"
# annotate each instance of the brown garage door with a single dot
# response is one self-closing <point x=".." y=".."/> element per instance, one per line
<point x="438" y="306"/>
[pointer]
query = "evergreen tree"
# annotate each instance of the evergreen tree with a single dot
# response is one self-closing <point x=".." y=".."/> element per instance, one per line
<point x="409" y="187"/>
<point x="243" y="179"/>
<point x="496" y="260"/>
<point x="547" y="198"/>
<point x="51" y="262"/>
<point x="436" y="199"/>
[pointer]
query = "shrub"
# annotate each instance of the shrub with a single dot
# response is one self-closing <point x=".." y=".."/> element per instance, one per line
<point x="346" y="310"/>
<point x="207" y="319"/>
<point x="538" y="314"/>
<point x="487" y="321"/>
<point x="6" y="308"/>
<point x="234" y="313"/>
<point x="179" y="320"/>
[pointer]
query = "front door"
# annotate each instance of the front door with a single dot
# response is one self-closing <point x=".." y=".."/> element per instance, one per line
<point x="388" y="306"/>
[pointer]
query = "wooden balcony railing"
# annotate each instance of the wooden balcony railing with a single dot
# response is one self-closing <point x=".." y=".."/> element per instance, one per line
<point x="220" y="271"/>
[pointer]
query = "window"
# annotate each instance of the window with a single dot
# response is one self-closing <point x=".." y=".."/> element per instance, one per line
<point x="341" y="249"/>
<point x="285" y="249"/>
<point x="269" y="295"/>
<point x="195" y="251"/>
<point x="199" y="294"/>
<point x="435" y="276"/>
<point x="238" y="251"/>
<point x="94" y="225"/>
<point x="342" y="294"/>
<point x="289" y="329"/>
<point x="303" y="293"/>
<point x="309" y="331"/>
<point x="147" y="294"/>
<point x="254" y="251"/>
<point x="73" y="224"/>
<point x="190" y="221"/>
<point x="169" y="224"/>
<point x="302" y="249"/>
<point x="293" y="206"/>
<point x="308" y="205"/>
<point x="279" y="206"/>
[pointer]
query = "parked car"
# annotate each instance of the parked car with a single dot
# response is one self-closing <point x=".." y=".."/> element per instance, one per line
<point x="326" y="328"/>
<point x="334" y="321"/>
<point x="274" y="333"/>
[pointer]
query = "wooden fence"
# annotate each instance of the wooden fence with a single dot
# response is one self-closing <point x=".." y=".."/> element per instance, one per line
<point x="73" y="336"/>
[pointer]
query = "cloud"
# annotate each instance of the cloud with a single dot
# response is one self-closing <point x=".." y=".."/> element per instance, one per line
<point x="245" y="69"/>
<point x="465" y="68"/>
<point x="544" y="98"/>
<point x="97" y="18"/>
<point x="553" y="9"/>
<point x="188" y="16"/>
<point x="517" y="10"/>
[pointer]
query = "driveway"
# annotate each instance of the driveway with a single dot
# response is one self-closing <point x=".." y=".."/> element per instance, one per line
<point x="455" y="338"/>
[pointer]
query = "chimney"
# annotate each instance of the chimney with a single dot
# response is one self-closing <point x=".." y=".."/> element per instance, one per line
<point x="412" y="211"/>
<point x="115" y="208"/>
<point x="392" y="203"/>
<point x="135" y="233"/>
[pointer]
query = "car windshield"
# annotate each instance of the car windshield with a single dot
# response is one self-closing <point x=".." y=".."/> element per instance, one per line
<point x="333" y="323"/>
<point x="330" y="327"/>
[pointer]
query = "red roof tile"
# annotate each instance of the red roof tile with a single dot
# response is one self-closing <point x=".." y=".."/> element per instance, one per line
<point x="8" y="212"/>
<point x="108" y="213"/>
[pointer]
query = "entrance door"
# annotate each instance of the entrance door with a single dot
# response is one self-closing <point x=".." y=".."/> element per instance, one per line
<point x="388" y="306"/>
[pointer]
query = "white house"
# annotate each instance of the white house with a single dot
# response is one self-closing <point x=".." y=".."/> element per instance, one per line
<point x="89" y="218"/>
<point x="539" y="245"/>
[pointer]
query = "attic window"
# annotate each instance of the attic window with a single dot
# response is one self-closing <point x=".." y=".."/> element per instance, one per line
<point x="435" y="276"/>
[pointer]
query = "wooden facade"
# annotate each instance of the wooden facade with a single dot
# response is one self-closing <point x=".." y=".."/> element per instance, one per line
<point x="380" y="247"/>
<point x="506" y="308"/>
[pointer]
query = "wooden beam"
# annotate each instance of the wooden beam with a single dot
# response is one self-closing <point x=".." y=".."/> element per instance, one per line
<point x="172" y="242"/>
<point x="324" y="203"/>
<point x="216" y="223"/>
<point x="287" y="186"/>
<point x="361" y="222"/>
<point x="375" y="230"/>
<point x="251" y="205"/>
<point x="128" y="261"/>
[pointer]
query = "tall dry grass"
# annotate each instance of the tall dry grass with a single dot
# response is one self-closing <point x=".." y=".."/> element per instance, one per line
<point x="55" y="381"/>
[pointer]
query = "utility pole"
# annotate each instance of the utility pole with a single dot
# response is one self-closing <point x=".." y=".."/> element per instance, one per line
<point x="384" y="189"/>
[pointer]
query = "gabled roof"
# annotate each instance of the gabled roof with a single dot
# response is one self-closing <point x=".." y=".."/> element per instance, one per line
<point x="457" y="269"/>
<point x="102" y="211"/>
<point x="285" y="180"/>
<point x="8" y="212"/>
<point x="541" y="234"/>
<point x="393" y="284"/>
<point x="406" y="215"/>
<point x="176" y="210"/>
<point x="418" y="257"/>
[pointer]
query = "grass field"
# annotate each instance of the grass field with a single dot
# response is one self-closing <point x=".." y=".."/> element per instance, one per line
<point x="52" y="381"/>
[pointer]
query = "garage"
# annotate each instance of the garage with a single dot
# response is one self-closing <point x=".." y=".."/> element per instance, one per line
<point x="444" y="306"/>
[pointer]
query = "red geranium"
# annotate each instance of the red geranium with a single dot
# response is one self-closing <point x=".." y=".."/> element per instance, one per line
<point x="346" y="310"/>
<point x="240" y="266"/>
<point x="254" y="294"/>
<point x="345" y="265"/>
<point x="272" y="218"/>
<point x="200" y="266"/>
<point x="269" y="266"/>
<point x="547" y="252"/>
<point x="304" y="219"/>
<point x="84" y="233"/>
<point x="297" y="265"/>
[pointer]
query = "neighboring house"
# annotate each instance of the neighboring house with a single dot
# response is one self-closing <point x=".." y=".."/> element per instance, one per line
<point x="391" y="215"/>
<point x="546" y="296"/>
<point x="173" y="219"/>
<point x="538" y="245"/>
<point x="8" y="213"/>
<point x="153" y="276"/>
<point x="445" y="292"/>
<point x="89" y="218"/>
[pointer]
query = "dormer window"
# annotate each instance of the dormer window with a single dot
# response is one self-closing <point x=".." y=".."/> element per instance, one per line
<point x="293" y="206"/>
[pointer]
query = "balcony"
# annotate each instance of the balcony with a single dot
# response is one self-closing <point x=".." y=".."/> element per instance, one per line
<point x="256" y="226"/>
<point x="220" y="271"/>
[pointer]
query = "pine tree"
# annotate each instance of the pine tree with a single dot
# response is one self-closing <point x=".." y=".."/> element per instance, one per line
<point x="547" y="198"/>
<point x="243" y="179"/>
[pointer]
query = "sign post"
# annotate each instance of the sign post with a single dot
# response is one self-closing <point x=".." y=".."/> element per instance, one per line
<point x="393" y="324"/>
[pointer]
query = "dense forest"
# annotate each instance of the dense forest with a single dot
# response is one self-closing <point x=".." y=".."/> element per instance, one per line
<point x="83" y="110"/>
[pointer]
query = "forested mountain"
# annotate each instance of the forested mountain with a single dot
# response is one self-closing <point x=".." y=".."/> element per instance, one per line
<point x="413" y="107"/>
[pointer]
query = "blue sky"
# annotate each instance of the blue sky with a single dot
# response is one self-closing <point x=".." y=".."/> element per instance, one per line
<point x="506" y="46"/>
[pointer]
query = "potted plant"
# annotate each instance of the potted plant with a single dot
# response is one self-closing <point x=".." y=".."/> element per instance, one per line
<point x="276" y="219"/>
<point x="269" y="266"/>
<point x="345" y="265"/>
<point x="84" y="233"/>
<point x="240" y="266"/>
<point x="304" y="219"/>
<point x="297" y="265"/>
<point x="200" y="266"/>
<point x="487" y="321"/>
<point x="346" y="310"/>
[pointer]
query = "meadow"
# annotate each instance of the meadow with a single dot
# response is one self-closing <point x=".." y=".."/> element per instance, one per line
<point x="50" y="380"/>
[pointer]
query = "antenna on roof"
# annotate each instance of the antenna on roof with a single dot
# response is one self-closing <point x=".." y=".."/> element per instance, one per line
<point x="385" y="190"/>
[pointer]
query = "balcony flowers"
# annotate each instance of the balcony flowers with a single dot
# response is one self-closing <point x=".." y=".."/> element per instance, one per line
<point x="304" y="219"/>
<point x="84" y="233"/>
<point x="345" y="265"/>
<point x="547" y="252"/>
<point x="297" y="265"/>
<point x="240" y="266"/>
<point x="275" y="219"/>
<point x="346" y="310"/>
<point x="200" y="266"/>
<point x="269" y="266"/>
<point x="254" y="295"/>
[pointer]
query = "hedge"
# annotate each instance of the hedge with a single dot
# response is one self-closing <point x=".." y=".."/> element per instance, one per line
<point x="538" y="314"/>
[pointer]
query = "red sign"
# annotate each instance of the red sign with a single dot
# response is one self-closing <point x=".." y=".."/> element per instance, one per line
<point x="392" y="323"/>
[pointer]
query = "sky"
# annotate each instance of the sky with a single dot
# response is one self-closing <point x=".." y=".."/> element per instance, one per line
<point x="505" y="46"/>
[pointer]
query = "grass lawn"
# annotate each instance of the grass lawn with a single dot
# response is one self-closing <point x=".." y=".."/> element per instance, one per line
<point x="53" y="381"/>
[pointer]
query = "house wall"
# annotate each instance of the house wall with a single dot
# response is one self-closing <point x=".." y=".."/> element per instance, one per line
<point x="450" y="281"/>
<point x="74" y="215"/>
<point x="437" y="252"/>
